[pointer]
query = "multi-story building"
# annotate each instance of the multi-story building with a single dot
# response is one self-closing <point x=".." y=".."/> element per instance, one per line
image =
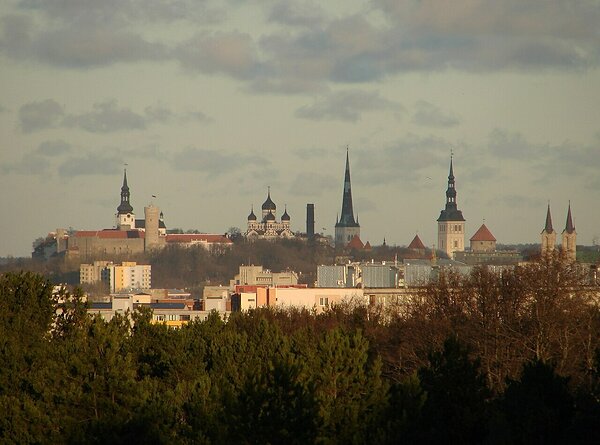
<point x="451" y="223"/>
<point x="257" y="276"/>
<point x="128" y="275"/>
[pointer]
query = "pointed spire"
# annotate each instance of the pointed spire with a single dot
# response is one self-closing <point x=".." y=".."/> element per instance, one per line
<point x="347" y="216"/>
<point x="548" y="227"/>
<point x="451" y="174"/>
<point x="451" y="212"/>
<point x="124" y="206"/>
<point x="569" y="227"/>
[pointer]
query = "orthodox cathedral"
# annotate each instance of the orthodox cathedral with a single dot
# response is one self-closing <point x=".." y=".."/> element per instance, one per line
<point x="268" y="227"/>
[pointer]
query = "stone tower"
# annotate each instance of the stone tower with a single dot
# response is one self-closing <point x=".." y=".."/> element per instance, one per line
<point x="451" y="224"/>
<point x="346" y="227"/>
<point x="151" y="235"/>
<point x="125" y="216"/>
<point x="569" y="238"/>
<point x="548" y="235"/>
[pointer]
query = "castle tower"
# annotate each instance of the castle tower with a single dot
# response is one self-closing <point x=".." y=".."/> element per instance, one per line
<point x="569" y="238"/>
<point x="451" y="224"/>
<point x="548" y="235"/>
<point x="125" y="216"/>
<point x="346" y="228"/>
<point x="310" y="221"/>
<point x="151" y="236"/>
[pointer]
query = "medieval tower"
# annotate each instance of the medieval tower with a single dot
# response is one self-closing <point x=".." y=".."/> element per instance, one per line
<point x="346" y="227"/>
<point x="451" y="224"/>
<point x="569" y="238"/>
<point x="548" y="235"/>
<point x="125" y="216"/>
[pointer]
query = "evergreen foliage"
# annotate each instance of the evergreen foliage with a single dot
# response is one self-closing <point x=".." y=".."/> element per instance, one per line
<point x="507" y="358"/>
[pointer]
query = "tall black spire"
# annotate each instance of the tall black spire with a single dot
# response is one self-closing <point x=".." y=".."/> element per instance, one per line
<point x="548" y="227"/>
<point x="451" y="212"/>
<point x="125" y="206"/>
<point x="347" y="218"/>
<point x="569" y="227"/>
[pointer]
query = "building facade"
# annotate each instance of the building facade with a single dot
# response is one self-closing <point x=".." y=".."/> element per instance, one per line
<point x="451" y="223"/>
<point x="568" y="237"/>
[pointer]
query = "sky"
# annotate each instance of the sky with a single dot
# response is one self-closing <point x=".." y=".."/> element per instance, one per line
<point x="210" y="102"/>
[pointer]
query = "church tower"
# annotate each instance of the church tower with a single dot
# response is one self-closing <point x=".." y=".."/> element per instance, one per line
<point x="125" y="215"/>
<point x="569" y="238"/>
<point x="451" y="224"/>
<point x="548" y="235"/>
<point x="346" y="227"/>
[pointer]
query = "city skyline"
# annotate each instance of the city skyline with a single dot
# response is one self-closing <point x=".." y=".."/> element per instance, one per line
<point x="211" y="102"/>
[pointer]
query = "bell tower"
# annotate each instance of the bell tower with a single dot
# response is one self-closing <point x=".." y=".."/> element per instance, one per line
<point x="451" y="223"/>
<point x="125" y="216"/>
<point x="569" y="238"/>
<point x="548" y="235"/>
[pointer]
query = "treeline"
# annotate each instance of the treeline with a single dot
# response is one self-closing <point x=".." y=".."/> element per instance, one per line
<point x="493" y="358"/>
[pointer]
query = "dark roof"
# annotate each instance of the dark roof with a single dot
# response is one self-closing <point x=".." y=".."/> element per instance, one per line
<point x="451" y="215"/>
<point x="569" y="227"/>
<point x="124" y="207"/>
<point x="483" y="234"/>
<point x="548" y="227"/>
<point x="269" y="204"/>
<point x="416" y="243"/>
<point x="141" y="224"/>
<point x="347" y="216"/>
<point x="285" y="216"/>
<point x="167" y="305"/>
<point x="270" y="217"/>
<point x="252" y="216"/>
<point x="100" y="305"/>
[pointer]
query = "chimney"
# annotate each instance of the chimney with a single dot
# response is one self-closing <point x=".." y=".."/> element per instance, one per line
<point x="310" y="221"/>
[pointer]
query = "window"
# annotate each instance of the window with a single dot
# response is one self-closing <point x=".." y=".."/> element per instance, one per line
<point x="324" y="301"/>
<point x="455" y="243"/>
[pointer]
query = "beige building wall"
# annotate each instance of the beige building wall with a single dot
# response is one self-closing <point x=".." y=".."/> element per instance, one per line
<point x="92" y="273"/>
<point x="451" y="237"/>
<point x="315" y="298"/>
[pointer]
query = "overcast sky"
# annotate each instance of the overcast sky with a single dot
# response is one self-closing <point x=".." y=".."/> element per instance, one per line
<point x="209" y="102"/>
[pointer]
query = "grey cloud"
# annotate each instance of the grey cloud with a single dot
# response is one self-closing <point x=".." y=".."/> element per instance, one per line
<point x="295" y="13"/>
<point x="511" y="145"/>
<point x="406" y="161"/>
<point x="161" y="113"/>
<point x="40" y="115"/>
<point x="312" y="184"/>
<point x="91" y="164"/>
<point x="512" y="201"/>
<point x="32" y="164"/>
<point x="214" y="163"/>
<point x="309" y="153"/>
<point x="82" y="48"/>
<point x="346" y="106"/>
<point x="230" y="53"/>
<point x="429" y="115"/>
<point x="106" y="117"/>
<point x="125" y="11"/>
<point x="53" y="148"/>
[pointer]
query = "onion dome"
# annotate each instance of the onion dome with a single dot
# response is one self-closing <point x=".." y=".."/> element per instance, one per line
<point x="252" y="216"/>
<point x="270" y="217"/>
<point x="269" y="204"/>
<point x="285" y="216"/>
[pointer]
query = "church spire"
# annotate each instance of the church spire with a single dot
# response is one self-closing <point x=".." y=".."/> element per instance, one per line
<point x="548" y="228"/>
<point x="451" y="212"/>
<point x="569" y="227"/>
<point x="125" y="206"/>
<point x="347" y="216"/>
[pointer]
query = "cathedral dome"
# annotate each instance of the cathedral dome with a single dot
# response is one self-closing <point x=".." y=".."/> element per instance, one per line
<point x="270" y="217"/>
<point x="285" y="216"/>
<point x="269" y="204"/>
<point x="252" y="216"/>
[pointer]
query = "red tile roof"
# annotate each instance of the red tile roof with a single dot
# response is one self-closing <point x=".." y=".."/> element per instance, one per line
<point x="198" y="238"/>
<point x="483" y="234"/>
<point x="416" y="244"/>
<point x="109" y="234"/>
<point x="355" y="243"/>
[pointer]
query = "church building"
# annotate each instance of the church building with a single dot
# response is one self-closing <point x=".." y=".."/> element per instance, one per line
<point x="451" y="223"/>
<point x="346" y="227"/>
<point x="569" y="237"/>
<point x="268" y="227"/>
